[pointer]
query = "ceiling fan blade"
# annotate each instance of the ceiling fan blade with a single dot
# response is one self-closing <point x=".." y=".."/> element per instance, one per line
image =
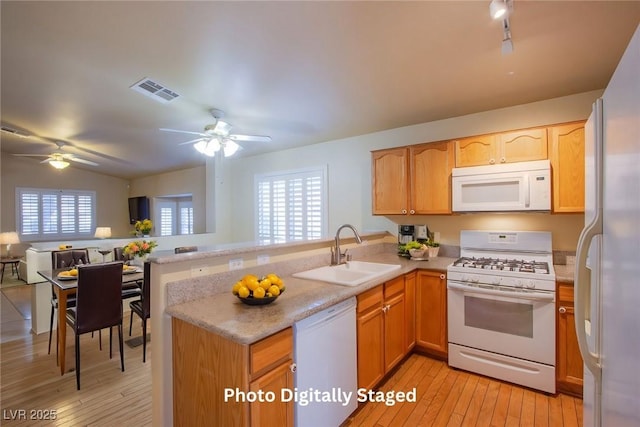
<point x="31" y="155"/>
<point x="193" y="141"/>
<point x="183" y="131"/>
<point x="256" y="138"/>
<point x="79" y="160"/>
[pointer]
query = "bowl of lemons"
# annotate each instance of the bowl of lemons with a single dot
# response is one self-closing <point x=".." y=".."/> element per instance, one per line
<point x="254" y="290"/>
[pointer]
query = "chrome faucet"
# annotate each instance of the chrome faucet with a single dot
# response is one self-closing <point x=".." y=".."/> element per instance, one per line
<point x="338" y="257"/>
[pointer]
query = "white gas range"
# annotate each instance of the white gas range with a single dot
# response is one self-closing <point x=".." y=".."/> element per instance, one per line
<point x="501" y="307"/>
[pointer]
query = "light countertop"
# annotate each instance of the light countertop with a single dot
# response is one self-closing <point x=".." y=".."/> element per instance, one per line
<point x="226" y="315"/>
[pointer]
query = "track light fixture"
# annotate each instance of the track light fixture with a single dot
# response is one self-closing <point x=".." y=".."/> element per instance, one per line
<point x="500" y="9"/>
<point x="507" y="44"/>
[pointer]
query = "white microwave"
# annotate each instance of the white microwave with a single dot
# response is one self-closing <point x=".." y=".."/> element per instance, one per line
<point x="523" y="186"/>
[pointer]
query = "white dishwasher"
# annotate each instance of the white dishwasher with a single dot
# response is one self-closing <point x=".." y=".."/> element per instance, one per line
<point x="326" y="359"/>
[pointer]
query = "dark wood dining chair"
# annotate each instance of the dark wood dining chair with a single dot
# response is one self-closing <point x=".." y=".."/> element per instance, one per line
<point x="98" y="305"/>
<point x="142" y="308"/>
<point x="129" y="290"/>
<point x="64" y="259"/>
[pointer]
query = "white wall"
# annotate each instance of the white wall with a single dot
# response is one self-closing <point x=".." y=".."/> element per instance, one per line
<point x="349" y="166"/>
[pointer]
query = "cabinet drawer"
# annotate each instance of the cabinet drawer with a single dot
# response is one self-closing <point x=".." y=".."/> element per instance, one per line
<point x="271" y="350"/>
<point x="393" y="287"/>
<point x="369" y="299"/>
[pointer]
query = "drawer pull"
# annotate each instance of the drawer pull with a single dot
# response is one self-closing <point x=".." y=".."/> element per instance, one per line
<point x="562" y="310"/>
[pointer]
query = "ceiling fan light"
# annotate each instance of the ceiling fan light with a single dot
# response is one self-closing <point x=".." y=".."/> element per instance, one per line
<point x="208" y="147"/>
<point x="498" y="9"/>
<point x="58" y="164"/>
<point x="230" y="148"/>
<point x="222" y="128"/>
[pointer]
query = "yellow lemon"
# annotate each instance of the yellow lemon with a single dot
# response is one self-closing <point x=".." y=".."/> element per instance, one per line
<point x="73" y="272"/>
<point x="265" y="283"/>
<point x="279" y="283"/>
<point x="274" y="290"/>
<point x="273" y="277"/>
<point x="249" y="277"/>
<point x="251" y="283"/>
<point x="243" y="292"/>
<point x="259" y="292"/>
<point x="236" y="287"/>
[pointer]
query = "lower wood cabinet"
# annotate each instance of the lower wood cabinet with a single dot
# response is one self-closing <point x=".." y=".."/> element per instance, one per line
<point x="205" y="364"/>
<point x="381" y="331"/>
<point x="431" y="313"/>
<point x="569" y="365"/>
<point x="410" y="310"/>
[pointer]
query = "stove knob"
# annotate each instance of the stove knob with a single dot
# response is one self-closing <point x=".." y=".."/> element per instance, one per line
<point x="475" y="279"/>
<point x="519" y="283"/>
<point x="530" y="284"/>
<point x="495" y="281"/>
<point x="463" y="278"/>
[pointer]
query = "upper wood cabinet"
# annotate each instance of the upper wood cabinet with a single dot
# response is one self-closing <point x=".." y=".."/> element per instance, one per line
<point x="430" y="177"/>
<point x="508" y="147"/>
<point x="412" y="180"/>
<point x="566" y="154"/>
<point x="390" y="174"/>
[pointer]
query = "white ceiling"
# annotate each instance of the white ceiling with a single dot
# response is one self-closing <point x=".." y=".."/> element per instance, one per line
<point x="301" y="72"/>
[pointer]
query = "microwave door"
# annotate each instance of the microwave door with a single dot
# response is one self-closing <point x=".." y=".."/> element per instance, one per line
<point x="502" y="192"/>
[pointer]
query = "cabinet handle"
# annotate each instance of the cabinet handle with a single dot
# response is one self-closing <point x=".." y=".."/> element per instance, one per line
<point x="293" y="367"/>
<point x="562" y="310"/>
<point x="492" y="161"/>
<point x="442" y="277"/>
<point x="404" y="211"/>
<point x="385" y="308"/>
<point x="412" y="212"/>
<point x="503" y="160"/>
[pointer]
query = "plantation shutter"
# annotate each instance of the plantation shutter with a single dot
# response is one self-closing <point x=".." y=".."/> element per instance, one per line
<point x="291" y="206"/>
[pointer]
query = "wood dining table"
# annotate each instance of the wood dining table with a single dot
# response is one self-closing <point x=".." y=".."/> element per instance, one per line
<point x="65" y="286"/>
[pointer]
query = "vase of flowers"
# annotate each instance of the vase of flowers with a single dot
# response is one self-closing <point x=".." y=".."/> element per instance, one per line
<point x="143" y="228"/>
<point x="139" y="250"/>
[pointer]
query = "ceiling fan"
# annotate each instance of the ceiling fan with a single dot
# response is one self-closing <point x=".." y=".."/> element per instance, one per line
<point x="58" y="159"/>
<point x="218" y="136"/>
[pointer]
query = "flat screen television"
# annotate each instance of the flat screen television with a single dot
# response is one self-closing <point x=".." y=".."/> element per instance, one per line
<point x="138" y="209"/>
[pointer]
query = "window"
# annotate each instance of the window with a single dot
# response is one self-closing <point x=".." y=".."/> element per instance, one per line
<point x="46" y="214"/>
<point x="176" y="215"/>
<point x="291" y="206"/>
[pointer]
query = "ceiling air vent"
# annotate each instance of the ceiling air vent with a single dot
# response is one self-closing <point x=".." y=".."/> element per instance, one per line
<point x="154" y="90"/>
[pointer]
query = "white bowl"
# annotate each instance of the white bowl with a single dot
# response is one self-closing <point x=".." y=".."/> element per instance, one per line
<point x="417" y="253"/>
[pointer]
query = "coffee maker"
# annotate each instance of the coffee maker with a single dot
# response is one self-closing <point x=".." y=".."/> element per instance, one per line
<point x="406" y="233"/>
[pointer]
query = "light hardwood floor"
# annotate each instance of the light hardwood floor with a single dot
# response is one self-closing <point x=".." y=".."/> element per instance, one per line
<point x="30" y="380"/>
<point x="450" y="397"/>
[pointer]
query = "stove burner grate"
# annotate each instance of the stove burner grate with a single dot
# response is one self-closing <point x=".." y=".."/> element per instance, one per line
<point x="505" y="264"/>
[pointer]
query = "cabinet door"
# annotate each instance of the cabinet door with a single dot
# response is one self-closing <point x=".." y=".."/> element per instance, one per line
<point x="370" y="347"/>
<point x="431" y="313"/>
<point x="431" y="166"/>
<point x="390" y="174"/>
<point x="476" y="151"/>
<point x="567" y="167"/>
<point x="394" y="331"/>
<point x="523" y="145"/>
<point x="410" y="310"/>
<point x="569" y="369"/>
<point x="276" y="413"/>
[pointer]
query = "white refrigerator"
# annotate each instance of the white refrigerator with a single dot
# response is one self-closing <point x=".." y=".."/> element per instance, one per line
<point x="607" y="273"/>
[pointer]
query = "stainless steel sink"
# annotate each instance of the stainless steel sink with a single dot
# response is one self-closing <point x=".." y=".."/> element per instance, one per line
<point x="351" y="273"/>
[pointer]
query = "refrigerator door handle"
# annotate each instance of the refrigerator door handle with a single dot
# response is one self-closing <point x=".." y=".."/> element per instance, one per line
<point x="582" y="273"/>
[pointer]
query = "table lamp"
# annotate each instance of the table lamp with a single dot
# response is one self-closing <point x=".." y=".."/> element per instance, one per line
<point x="9" y="238"/>
<point x="103" y="233"/>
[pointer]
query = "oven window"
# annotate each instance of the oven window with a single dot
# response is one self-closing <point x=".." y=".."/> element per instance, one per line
<point x="499" y="316"/>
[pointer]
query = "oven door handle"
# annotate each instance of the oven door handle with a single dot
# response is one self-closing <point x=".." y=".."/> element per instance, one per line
<point x="541" y="296"/>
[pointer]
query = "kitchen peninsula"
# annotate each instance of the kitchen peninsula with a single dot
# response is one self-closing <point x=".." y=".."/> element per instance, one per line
<point x="207" y="303"/>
